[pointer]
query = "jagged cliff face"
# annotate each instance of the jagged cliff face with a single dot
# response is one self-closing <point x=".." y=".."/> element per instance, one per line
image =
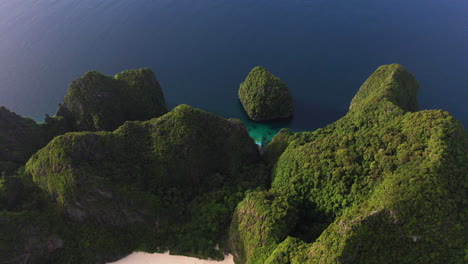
<point x="96" y="102"/>
<point x="384" y="184"/>
<point x="265" y="97"/>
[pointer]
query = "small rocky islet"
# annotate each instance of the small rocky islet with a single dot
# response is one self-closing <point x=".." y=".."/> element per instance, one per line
<point x="113" y="171"/>
<point x="265" y="97"/>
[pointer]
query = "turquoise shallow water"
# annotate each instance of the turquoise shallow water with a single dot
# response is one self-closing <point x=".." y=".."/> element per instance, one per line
<point x="262" y="132"/>
<point x="202" y="50"/>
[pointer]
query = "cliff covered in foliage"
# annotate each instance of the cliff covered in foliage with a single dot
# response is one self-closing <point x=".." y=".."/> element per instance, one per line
<point x="96" y="102"/>
<point x="265" y="97"/>
<point x="162" y="183"/>
<point x="173" y="151"/>
<point x="383" y="184"/>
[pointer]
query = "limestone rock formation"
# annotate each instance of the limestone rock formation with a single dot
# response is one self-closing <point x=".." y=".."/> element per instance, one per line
<point x="265" y="97"/>
<point x="96" y="102"/>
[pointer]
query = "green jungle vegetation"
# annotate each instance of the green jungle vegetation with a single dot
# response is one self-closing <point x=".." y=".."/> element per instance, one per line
<point x="265" y="97"/>
<point x="384" y="184"/>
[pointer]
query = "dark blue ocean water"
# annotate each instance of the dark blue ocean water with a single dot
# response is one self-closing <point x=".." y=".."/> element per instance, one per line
<point x="201" y="50"/>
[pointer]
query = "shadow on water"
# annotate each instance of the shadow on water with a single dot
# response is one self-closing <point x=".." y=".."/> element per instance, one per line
<point x="307" y="117"/>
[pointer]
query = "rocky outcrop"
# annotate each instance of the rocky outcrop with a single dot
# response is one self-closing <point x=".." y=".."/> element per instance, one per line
<point x="389" y="83"/>
<point x="143" y="96"/>
<point x="96" y="102"/>
<point x="265" y="97"/>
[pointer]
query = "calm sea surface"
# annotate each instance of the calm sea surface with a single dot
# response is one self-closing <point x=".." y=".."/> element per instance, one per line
<point x="202" y="50"/>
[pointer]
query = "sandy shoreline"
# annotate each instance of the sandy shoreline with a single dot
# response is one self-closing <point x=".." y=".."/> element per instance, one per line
<point x="165" y="258"/>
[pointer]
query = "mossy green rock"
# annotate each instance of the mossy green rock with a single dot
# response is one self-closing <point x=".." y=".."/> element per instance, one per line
<point x="384" y="184"/>
<point x="143" y="96"/>
<point x="265" y="97"/>
<point x="96" y="102"/>
<point x="391" y="83"/>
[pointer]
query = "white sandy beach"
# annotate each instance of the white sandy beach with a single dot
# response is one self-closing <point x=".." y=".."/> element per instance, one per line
<point x="158" y="258"/>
